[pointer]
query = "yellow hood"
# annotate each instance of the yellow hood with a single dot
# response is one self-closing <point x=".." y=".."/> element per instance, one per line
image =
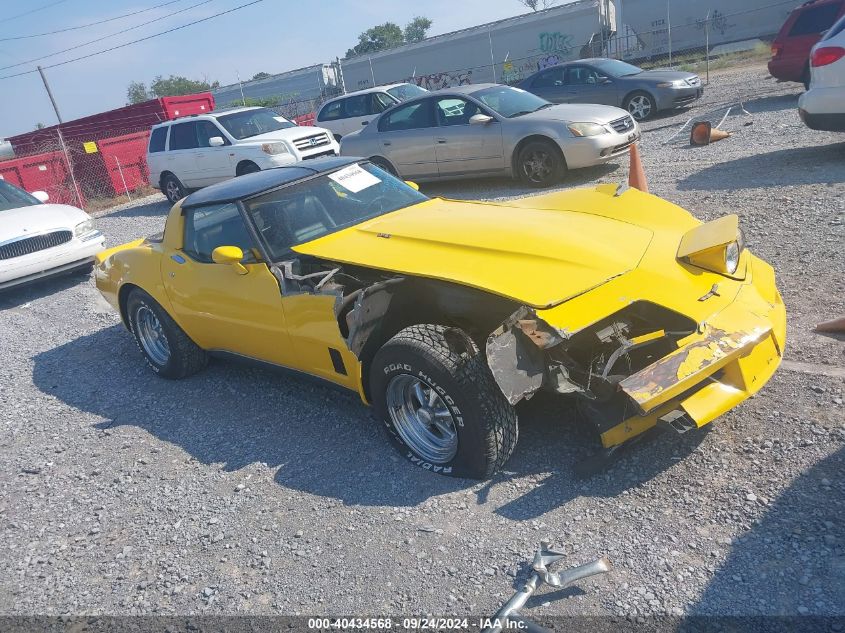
<point x="539" y="257"/>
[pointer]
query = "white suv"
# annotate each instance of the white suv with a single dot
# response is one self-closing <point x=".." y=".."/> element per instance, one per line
<point x="346" y="114"/>
<point x="199" y="150"/>
<point x="822" y="107"/>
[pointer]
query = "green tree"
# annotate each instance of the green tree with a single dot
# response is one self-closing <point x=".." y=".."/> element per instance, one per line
<point x="176" y="85"/>
<point x="39" y="126"/>
<point x="261" y="75"/>
<point x="378" y="38"/>
<point x="416" y="29"/>
<point x="137" y="92"/>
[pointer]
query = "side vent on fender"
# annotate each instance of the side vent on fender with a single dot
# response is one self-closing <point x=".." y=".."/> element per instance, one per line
<point x="337" y="361"/>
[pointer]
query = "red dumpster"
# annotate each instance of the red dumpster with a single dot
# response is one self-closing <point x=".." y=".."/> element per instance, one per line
<point x="125" y="159"/>
<point x="42" y="172"/>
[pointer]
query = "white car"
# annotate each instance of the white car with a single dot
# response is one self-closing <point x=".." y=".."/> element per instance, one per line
<point x="347" y="114"/>
<point x="822" y="107"/>
<point x="200" y="150"/>
<point x="40" y="240"/>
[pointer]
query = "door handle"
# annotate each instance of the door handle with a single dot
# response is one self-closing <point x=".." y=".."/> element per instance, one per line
<point x="386" y="143"/>
<point x="364" y="122"/>
<point x="441" y="140"/>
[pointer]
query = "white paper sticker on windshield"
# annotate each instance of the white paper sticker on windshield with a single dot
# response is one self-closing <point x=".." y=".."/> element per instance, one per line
<point x="354" y="179"/>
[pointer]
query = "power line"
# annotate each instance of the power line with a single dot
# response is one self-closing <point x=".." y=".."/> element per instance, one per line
<point x="143" y="39"/>
<point x="20" y="15"/>
<point x="85" y="26"/>
<point x="105" y="37"/>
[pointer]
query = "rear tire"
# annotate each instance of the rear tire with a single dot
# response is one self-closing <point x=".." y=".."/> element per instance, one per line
<point x="540" y="164"/>
<point x="806" y="78"/>
<point x="173" y="188"/>
<point x="167" y="349"/>
<point x="383" y="164"/>
<point x="440" y="404"/>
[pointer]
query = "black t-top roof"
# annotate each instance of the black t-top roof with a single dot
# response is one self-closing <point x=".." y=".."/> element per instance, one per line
<point x="253" y="184"/>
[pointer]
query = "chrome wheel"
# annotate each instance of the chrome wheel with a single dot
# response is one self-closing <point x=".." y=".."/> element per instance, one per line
<point x="172" y="191"/>
<point x="151" y="335"/>
<point x="537" y="166"/>
<point x="640" y="107"/>
<point x="422" y="418"/>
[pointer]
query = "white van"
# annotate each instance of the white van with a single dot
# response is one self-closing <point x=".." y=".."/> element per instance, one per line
<point x="346" y="114"/>
<point x="202" y="149"/>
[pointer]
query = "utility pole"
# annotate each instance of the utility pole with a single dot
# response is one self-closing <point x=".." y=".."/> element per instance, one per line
<point x="50" y="94"/>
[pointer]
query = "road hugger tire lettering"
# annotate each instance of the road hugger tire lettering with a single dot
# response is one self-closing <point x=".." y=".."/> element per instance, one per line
<point x="485" y="424"/>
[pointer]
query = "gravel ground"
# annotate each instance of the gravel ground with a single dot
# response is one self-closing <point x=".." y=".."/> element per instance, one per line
<point x="243" y="491"/>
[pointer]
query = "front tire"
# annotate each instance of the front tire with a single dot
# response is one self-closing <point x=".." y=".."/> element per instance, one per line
<point x="167" y="349"/>
<point x="435" y="394"/>
<point x="641" y="106"/>
<point x="247" y="168"/>
<point x="540" y="164"/>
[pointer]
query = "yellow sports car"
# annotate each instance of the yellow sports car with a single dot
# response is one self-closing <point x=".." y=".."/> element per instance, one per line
<point x="444" y="315"/>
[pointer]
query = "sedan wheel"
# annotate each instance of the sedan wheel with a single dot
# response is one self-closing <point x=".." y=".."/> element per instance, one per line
<point x="641" y="106"/>
<point x="539" y="164"/>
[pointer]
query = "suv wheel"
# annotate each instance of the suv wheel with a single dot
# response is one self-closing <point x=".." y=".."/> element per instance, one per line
<point x="172" y="188"/>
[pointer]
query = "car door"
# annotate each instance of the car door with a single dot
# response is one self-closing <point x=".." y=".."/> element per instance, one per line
<point x="220" y="308"/>
<point x="406" y="138"/>
<point x="180" y="154"/>
<point x="462" y="147"/>
<point x="585" y="84"/>
<point x="156" y="154"/>
<point x="549" y="84"/>
<point x="213" y="164"/>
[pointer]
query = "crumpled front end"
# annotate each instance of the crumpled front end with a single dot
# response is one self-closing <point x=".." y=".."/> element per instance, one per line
<point x="679" y="358"/>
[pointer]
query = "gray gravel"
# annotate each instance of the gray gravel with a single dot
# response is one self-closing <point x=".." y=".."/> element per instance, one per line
<point x="243" y="491"/>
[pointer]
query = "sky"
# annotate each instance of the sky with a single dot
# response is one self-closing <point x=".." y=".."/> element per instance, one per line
<point x="272" y="36"/>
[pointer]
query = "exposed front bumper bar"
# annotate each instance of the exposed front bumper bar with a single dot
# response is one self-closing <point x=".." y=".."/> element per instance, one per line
<point x="738" y="352"/>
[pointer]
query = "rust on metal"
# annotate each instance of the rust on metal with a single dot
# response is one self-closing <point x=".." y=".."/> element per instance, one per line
<point x="670" y="370"/>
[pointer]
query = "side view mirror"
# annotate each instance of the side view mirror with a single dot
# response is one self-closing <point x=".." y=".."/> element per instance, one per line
<point x="412" y="185"/>
<point x="41" y="196"/>
<point x="230" y="255"/>
<point x="605" y="80"/>
<point x="480" y="119"/>
<point x="216" y="141"/>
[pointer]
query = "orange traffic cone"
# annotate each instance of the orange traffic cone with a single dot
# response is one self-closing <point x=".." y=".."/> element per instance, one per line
<point x="703" y="133"/>
<point x="636" y="173"/>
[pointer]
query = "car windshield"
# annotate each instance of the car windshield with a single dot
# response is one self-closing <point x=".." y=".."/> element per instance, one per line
<point x="510" y="102"/>
<point x="249" y="123"/>
<point x="13" y="198"/>
<point x="406" y="91"/>
<point x="310" y="209"/>
<point x="615" y="68"/>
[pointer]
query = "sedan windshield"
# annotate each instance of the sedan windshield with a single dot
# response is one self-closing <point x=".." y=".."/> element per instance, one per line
<point x="510" y="102"/>
<point x="615" y="68"/>
<point x="313" y="208"/>
<point x="406" y="91"/>
<point x="249" y="123"/>
<point x="13" y="198"/>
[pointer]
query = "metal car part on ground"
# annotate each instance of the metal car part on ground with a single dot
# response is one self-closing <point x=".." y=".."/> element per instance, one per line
<point x="445" y="314"/>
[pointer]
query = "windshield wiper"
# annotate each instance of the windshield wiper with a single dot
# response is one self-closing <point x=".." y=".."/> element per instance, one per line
<point x="520" y="113"/>
<point x="544" y="106"/>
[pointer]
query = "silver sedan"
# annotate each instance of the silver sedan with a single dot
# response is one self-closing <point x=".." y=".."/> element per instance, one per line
<point x="489" y="129"/>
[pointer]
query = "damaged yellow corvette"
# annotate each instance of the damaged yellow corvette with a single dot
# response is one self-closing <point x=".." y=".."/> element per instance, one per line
<point x="444" y="315"/>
